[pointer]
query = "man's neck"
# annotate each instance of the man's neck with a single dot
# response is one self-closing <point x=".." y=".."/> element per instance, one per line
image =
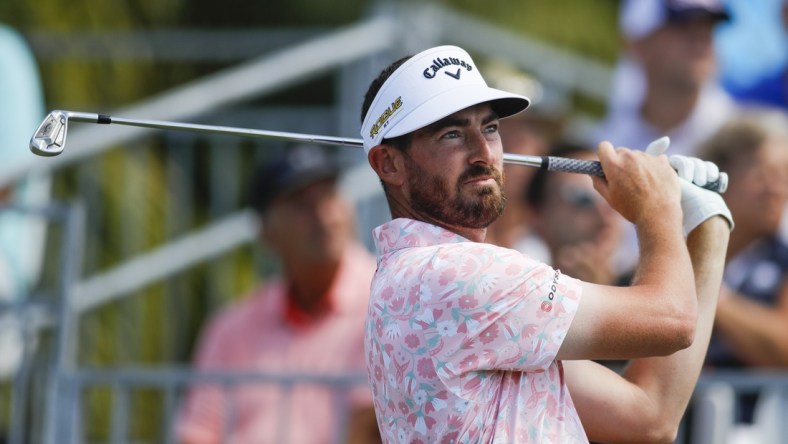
<point x="309" y="285"/>
<point x="667" y="108"/>
<point x="474" y="234"/>
<point x="403" y="211"/>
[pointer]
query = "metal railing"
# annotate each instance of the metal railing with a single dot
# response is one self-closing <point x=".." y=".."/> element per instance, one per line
<point x="38" y="312"/>
<point x="718" y="399"/>
<point x="173" y="384"/>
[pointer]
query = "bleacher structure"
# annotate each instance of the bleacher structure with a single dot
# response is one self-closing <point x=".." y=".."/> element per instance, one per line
<point x="48" y="393"/>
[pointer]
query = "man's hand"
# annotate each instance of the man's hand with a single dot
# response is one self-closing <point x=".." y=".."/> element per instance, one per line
<point x="638" y="185"/>
<point x="698" y="204"/>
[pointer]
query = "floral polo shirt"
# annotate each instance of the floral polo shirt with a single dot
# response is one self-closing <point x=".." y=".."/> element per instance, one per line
<point x="461" y="339"/>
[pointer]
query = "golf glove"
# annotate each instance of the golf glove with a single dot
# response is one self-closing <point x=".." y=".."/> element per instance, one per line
<point x="698" y="204"/>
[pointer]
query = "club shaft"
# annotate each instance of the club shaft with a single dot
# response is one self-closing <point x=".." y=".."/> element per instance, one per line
<point x="590" y="167"/>
<point x="73" y="116"/>
<point x="214" y="129"/>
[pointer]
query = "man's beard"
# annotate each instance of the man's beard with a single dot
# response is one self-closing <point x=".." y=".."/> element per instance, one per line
<point x="430" y="196"/>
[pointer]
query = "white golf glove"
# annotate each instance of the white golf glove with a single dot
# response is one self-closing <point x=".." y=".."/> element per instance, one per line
<point x="698" y="204"/>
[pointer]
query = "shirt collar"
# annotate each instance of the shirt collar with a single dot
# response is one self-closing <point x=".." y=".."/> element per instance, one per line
<point x="298" y="318"/>
<point x="406" y="233"/>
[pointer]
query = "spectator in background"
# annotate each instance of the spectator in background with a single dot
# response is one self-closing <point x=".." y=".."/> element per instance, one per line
<point x="310" y="320"/>
<point x="525" y="136"/>
<point x="751" y="326"/>
<point x="581" y="231"/>
<point x="528" y="134"/>
<point x="751" y="323"/>
<point x="666" y="82"/>
<point x="22" y="235"/>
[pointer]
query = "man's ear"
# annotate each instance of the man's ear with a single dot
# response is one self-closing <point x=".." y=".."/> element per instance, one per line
<point x="389" y="164"/>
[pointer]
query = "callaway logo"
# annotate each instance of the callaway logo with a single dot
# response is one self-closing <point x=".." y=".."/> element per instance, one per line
<point x="437" y="64"/>
<point x="384" y="116"/>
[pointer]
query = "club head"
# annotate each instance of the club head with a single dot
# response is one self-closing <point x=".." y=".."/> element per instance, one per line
<point x="50" y="137"/>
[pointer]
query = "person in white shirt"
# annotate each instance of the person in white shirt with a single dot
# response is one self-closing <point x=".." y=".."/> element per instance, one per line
<point x="665" y="84"/>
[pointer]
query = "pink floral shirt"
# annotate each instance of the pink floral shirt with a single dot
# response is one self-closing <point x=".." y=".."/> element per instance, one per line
<point x="461" y="339"/>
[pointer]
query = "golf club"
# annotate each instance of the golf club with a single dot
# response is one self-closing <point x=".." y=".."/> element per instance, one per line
<point x="50" y="140"/>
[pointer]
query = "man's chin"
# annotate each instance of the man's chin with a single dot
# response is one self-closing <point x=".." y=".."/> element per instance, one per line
<point x="482" y="216"/>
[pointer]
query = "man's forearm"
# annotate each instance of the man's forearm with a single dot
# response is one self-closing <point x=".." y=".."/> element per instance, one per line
<point x="663" y="253"/>
<point x="757" y="334"/>
<point x="669" y="381"/>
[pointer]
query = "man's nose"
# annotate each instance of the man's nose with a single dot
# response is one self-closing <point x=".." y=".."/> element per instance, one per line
<point x="482" y="149"/>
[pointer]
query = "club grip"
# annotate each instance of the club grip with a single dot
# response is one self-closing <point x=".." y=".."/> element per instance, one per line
<point x="594" y="168"/>
<point x="563" y="164"/>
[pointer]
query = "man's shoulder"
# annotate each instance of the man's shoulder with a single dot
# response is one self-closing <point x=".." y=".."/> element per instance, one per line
<point x="467" y="256"/>
<point x="404" y="233"/>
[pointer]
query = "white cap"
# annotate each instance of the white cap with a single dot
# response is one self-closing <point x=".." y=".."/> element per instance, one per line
<point x="429" y="86"/>
<point x="639" y="18"/>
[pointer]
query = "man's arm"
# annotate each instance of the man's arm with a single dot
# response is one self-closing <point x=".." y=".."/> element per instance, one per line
<point x="647" y="402"/>
<point x="757" y="334"/>
<point x="655" y="316"/>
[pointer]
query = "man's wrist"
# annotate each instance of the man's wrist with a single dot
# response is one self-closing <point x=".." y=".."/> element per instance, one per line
<point x="717" y="225"/>
<point x="665" y="218"/>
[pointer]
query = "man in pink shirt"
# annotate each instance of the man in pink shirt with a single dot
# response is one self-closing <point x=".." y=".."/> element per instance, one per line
<point x="309" y="321"/>
<point x="469" y="342"/>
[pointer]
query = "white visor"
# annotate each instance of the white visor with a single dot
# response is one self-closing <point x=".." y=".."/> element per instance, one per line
<point x="429" y="86"/>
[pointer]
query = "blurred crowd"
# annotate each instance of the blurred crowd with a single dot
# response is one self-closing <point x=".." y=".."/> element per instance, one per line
<point x="667" y="82"/>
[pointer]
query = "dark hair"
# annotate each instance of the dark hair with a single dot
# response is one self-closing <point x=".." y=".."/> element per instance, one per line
<point x="401" y="142"/>
<point x="741" y="137"/>
<point x="535" y="193"/>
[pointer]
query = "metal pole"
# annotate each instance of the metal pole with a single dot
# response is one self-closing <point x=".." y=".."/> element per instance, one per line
<point x="61" y="402"/>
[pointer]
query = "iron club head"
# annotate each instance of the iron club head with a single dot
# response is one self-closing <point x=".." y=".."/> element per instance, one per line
<point x="50" y="137"/>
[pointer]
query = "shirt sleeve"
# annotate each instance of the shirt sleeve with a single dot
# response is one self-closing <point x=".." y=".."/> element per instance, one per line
<point x="507" y="312"/>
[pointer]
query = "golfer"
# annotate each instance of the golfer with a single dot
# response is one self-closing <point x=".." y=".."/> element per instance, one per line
<point x="468" y="342"/>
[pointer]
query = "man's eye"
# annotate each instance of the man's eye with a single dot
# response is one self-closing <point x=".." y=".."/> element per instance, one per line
<point x="451" y="135"/>
<point x="491" y="129"/>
